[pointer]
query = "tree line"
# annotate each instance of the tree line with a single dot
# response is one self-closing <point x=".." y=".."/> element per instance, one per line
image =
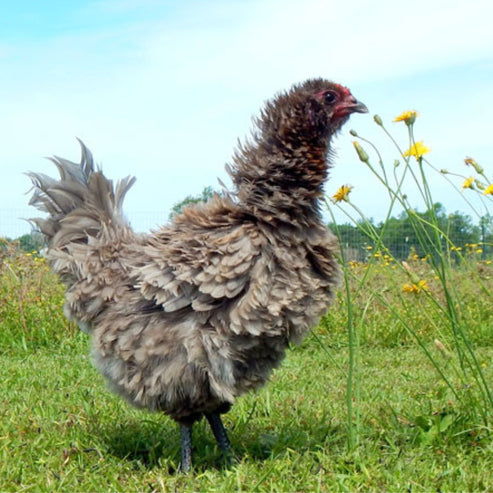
<point x="399" y="235"/>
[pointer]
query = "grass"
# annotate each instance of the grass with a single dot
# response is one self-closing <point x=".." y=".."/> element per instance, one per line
<point x="61" y="430"/>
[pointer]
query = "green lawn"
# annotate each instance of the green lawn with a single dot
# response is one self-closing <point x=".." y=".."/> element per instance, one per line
<point x="62" y="431"/>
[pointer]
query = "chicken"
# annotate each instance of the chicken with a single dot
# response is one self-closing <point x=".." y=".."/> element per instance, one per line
<point x="187" y="318"/>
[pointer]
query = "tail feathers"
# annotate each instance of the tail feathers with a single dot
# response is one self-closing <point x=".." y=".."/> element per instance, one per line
<point x="81" y="203"/>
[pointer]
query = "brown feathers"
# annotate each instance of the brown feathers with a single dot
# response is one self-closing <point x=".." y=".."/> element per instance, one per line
<point x="186" y="319"/>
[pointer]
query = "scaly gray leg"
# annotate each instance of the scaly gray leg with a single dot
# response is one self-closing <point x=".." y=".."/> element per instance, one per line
<point x="219" y="431"/>
<point x="186" y="448"/>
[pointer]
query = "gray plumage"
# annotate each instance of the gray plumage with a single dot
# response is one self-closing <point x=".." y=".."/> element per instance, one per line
<point x="186" y="319"/>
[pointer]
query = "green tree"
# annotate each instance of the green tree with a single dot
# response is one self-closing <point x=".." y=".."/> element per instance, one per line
<point x="486" y="234"/>
<point x="399" y="236"/>
<point x="206" y="194"/>
<point x="411" y="232"/>
<point x="461" y="230"/>
<point x="31" y="242"/>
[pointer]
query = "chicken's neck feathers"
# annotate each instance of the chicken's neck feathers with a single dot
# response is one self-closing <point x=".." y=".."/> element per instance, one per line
<point x="275" y="181"/>
<point x="280" y="171"/>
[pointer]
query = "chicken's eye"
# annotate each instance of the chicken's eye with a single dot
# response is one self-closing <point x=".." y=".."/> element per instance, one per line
<point x="330" y="97"/>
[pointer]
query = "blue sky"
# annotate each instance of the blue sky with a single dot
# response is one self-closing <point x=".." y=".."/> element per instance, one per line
<point x="163" y="90"/>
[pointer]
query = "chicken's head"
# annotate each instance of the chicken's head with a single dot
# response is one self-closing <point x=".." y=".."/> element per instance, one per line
<point x="311" y="111"/>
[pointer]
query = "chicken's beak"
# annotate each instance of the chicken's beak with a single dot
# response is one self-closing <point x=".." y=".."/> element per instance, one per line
<point x="349" y="105"/>
<point x="360" y="107"/>
<point x="352" y="105"/>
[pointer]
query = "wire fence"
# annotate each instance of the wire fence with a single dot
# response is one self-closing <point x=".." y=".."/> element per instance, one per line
<point x="14" y="223"/>
<point x="399" y="241"/>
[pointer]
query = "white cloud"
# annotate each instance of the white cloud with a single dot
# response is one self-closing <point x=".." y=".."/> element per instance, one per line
<point x="356" y="40"/>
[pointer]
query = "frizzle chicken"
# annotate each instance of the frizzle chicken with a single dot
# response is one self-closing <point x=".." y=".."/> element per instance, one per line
<point x="186" y="319"/>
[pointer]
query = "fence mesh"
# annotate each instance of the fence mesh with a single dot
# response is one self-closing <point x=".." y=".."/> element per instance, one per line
<point x="398" y="237"/>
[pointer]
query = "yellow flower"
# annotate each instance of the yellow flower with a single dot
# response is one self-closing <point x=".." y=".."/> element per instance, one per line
<point x="353" y="264"/>
<point x="488" y="190"/>
<point x="342" y="193"/>
<point x="468" y="182"/>
<point x="407" y="117"/>
<point x="416" y="288"/>
<point x="417" y="150"/>
<point x="410" y="288"/>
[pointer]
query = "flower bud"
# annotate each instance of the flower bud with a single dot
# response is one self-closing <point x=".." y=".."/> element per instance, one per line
<point x="353" y="133"/>
<point x="361" y="152"/>
<point x="378" y="120"/>
<point x="480" y="184"/>
<point x="471" y="162"/>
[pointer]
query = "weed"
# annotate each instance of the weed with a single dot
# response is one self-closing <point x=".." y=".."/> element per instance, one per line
<point x="421" y="298"/>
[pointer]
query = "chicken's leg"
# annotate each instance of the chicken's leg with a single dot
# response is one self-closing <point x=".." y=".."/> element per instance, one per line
<point x="219" y="431"/>
<point x="186" y="448"/>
